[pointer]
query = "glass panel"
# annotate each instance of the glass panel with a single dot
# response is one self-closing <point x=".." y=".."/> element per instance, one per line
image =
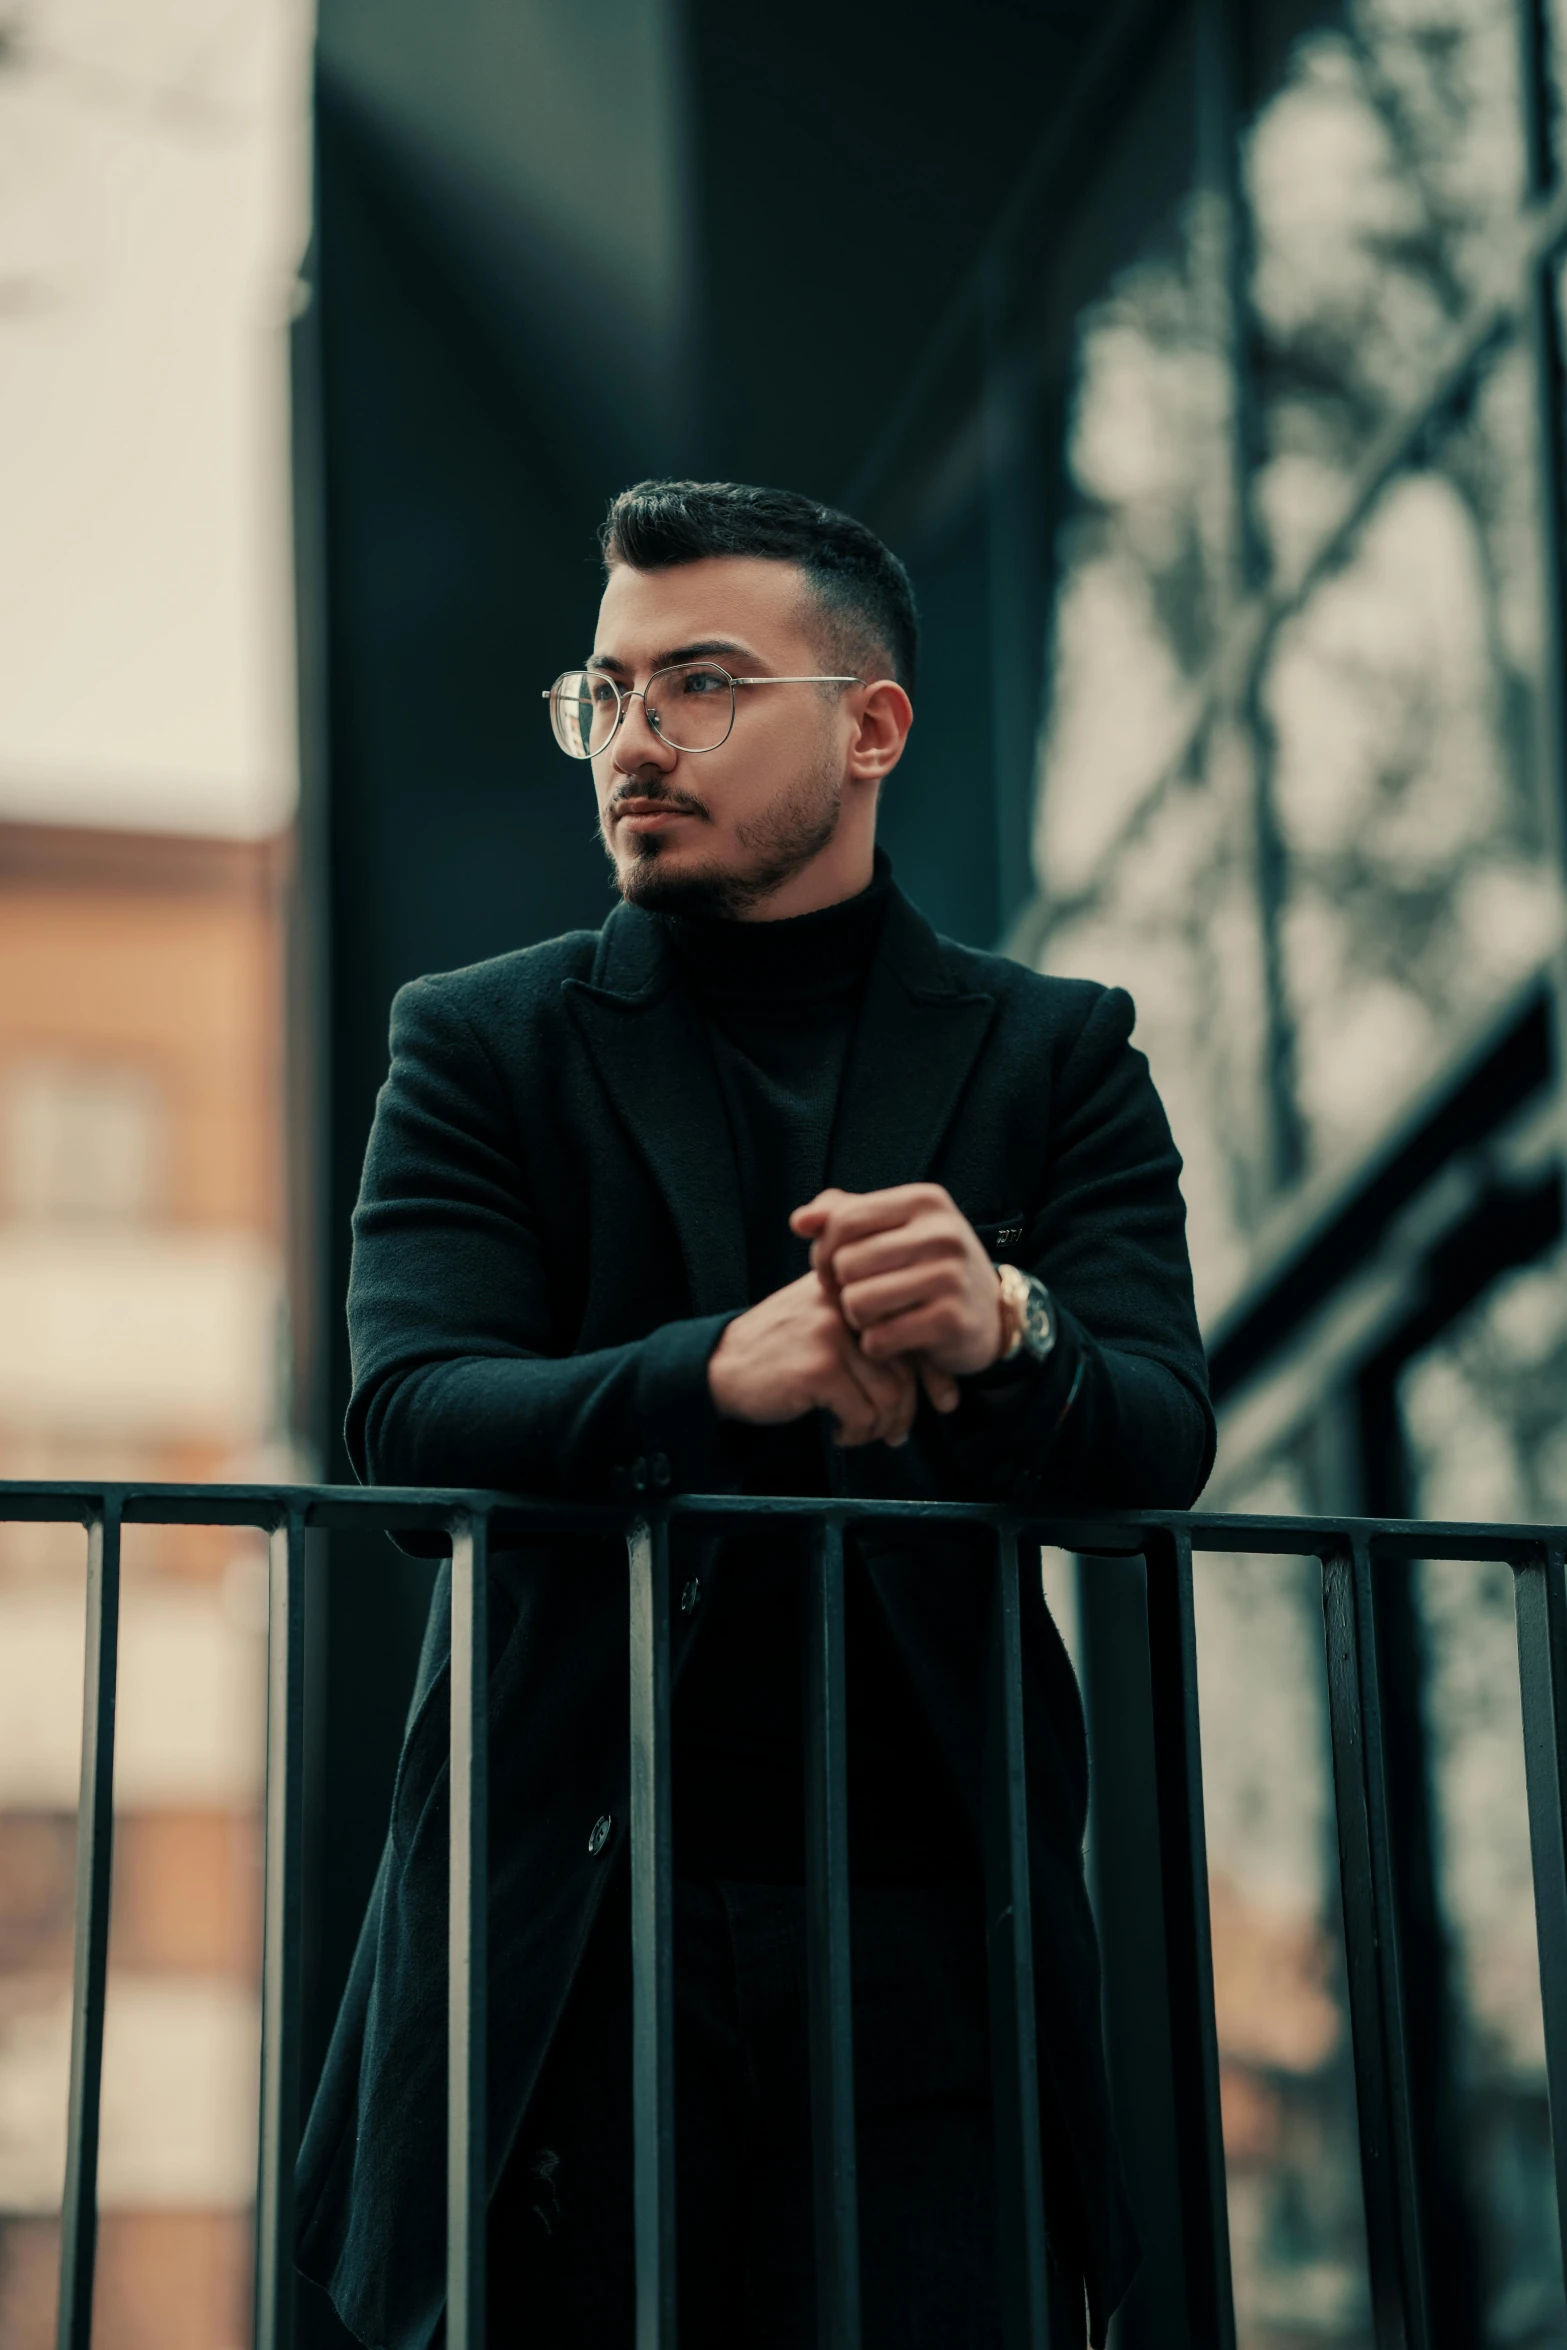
<point x="1400" y="702"/>
<point x="1316" y="879"/>
<point x="1174" y="921"/>
<point x="1287" y="2080"/>
<point x="1382" y="177"/>
<point x="1483" y="1424"/>
<point x="1483" y="1407"/>
<point x="1482" y="1846"/>
<point x="1397" y="748"/>
<point x="1143" y="832"/>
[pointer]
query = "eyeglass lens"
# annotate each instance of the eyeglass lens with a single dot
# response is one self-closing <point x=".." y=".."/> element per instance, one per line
<point x="690" y="707"/>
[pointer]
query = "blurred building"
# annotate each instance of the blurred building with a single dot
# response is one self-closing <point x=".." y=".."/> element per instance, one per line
<point x="141" y="1336"/>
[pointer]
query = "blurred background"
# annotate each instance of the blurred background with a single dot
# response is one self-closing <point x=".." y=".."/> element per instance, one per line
<point x="1203" y="360"/>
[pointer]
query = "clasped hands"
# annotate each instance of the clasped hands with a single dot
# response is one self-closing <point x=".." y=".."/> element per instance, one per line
<point x="900" y="1296"/>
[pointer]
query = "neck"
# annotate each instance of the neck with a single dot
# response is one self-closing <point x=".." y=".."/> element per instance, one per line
<point x="844" y="868"/>
<point x="802" y="959"/>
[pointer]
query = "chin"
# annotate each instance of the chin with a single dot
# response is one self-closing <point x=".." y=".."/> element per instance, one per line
<point x="670" y="880"/>
<point x="676" y="885"/>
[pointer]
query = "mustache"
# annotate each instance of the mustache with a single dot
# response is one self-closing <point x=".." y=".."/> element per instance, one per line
<point x="682" y="802"/>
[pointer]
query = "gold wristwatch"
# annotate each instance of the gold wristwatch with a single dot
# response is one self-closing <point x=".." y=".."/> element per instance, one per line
<point x="1028" y="1319"/>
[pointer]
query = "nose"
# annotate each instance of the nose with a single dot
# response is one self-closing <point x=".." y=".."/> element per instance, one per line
<point x="637" y="745"/>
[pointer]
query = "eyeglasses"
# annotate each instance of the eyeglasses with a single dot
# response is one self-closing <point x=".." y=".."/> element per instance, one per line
<point x="690" y="706"/>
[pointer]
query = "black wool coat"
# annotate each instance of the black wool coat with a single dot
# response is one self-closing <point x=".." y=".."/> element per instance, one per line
<point x="548" y="1242"/>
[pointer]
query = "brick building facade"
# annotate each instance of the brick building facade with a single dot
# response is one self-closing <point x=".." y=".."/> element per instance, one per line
<point x="141" y="1334"/>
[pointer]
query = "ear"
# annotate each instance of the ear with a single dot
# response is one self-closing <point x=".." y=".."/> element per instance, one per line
<point x="884" y="717"/>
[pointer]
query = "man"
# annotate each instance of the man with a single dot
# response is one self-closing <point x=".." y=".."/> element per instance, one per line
<point x="725" y="1197"/>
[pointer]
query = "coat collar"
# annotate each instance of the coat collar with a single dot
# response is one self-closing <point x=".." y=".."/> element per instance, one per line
<point x="918" y="1036"/>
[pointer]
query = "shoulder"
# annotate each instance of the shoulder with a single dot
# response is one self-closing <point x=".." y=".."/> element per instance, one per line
<point x="1062" y="1012"/>
<point x="1038" y="1017"/>
<point x="499" y="991"/>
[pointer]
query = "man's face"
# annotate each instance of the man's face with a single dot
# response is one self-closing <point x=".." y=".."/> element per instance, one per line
<point x="717" y="831"/>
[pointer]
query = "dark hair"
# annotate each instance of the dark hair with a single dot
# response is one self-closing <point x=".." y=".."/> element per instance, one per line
<point x="865" y="594"/>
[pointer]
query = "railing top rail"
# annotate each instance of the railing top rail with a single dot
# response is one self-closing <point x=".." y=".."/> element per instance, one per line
<point x="438" y="1509"/>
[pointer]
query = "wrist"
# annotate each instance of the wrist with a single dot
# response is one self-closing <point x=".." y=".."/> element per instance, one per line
<point x="1009" y="1317"/>
<point x="720" y="1379"/>
<point x="1008" y="1326"/>
<point x="1027" y="1315"/>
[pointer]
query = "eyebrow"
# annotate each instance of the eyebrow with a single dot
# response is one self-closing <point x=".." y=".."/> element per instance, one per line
<point x="705" y="648"/>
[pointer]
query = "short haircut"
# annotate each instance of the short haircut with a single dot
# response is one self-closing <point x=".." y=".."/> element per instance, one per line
<point x="865" y="594"/>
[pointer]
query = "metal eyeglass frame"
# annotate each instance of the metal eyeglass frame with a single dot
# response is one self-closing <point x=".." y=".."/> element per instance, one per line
<point x="625" y="694"/>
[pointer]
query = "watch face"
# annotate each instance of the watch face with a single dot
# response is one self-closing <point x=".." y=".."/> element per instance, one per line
<point x="1039" y="1334"/>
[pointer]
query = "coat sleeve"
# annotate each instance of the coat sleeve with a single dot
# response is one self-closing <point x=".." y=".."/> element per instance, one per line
<point x="458" y="1373"/>
<point x="1118" y="1416"/>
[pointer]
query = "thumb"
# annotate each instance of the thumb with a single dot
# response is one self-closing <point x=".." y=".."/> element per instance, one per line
<point x="940" y="1386"/>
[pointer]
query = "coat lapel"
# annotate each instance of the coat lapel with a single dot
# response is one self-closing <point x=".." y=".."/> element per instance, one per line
<point x="917" y="1041"/>
<point x="652" y="1054"/>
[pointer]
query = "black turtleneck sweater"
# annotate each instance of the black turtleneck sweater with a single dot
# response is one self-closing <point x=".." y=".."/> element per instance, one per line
<point x="779" y="1001"/>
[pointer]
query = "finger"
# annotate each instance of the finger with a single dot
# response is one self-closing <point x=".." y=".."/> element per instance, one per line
<point x="923" y="1329"/>
<point x="853" y="1215"/>
<point x="926" y="1240"/>
<point x="883" y="1384"/>
<point x="943" y="1390"/>
<point x="898" y="1400"/>
<point x="847" y="1390"/>
<point x="863" y="1304"/>
<point x="813" y="1214"/>
<point x="856" y="1429"/>
<point x="888" y="1390"/>
<point x="858" y="1423"/>
<point x="855" y="1418"/>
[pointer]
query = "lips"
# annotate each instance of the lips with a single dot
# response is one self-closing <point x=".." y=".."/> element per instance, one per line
<point x="649" y="812"/>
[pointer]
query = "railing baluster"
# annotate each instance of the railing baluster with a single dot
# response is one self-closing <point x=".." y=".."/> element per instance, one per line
<point x="280" y="1934"/>
<point x="1009" y="1938"/>
<point x="467" y="2181"/>
<point x="1395" y="2251"/>
<point x="1188" y="1938"/>
<point x="829" y="1979"/>
<point x="1540" y="1592"/>
<point x="94" y="1877"/>
<point x="652" y="1937"/>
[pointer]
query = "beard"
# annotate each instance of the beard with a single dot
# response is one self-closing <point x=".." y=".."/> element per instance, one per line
<point x="774" y="845"/>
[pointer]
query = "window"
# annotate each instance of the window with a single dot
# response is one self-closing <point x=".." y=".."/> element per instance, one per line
<point x="82" y="1142"/>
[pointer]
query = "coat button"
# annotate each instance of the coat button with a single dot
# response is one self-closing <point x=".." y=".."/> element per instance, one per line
<point x="639" y="1475"/>
<point x="663" y="1475"/>
<point x="599" y="1834"/>
<point x="691" y="1597"/>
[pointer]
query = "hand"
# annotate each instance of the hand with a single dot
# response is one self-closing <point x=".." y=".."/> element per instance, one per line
<point x="793" y="1354"/>
<point x="911" y="1278"/>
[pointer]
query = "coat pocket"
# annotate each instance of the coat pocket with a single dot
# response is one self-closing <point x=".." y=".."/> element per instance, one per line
<point x="1000" y="1235"/>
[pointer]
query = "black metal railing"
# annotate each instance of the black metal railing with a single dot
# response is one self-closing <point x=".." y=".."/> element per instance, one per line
<point x="1349" y="1550"/>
